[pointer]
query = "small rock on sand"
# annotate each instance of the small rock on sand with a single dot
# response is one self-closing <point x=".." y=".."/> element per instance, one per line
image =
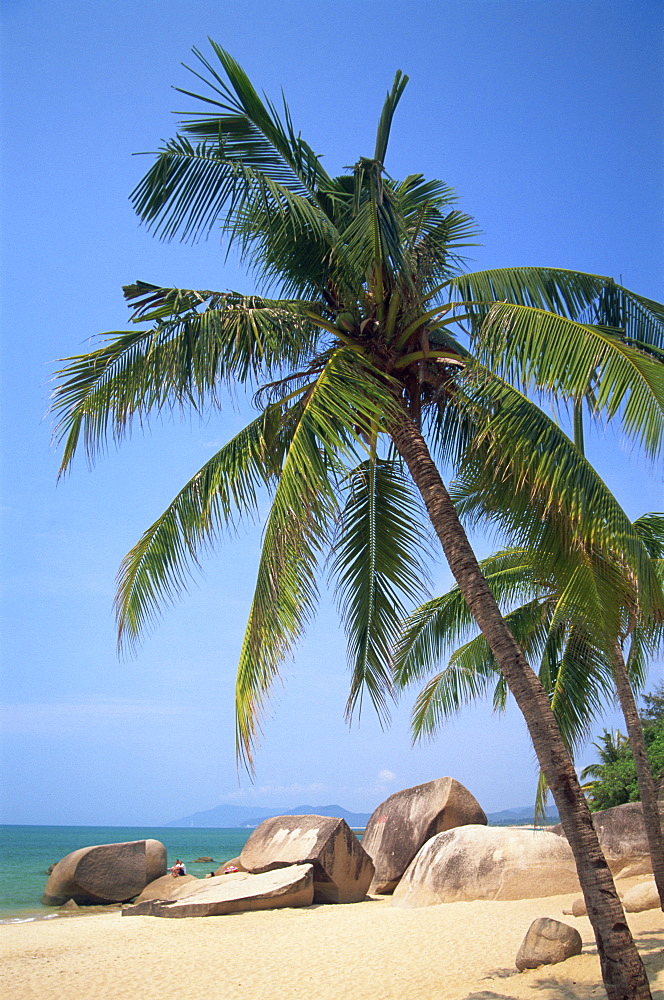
<point x="547" y="942"/>
<point x="643" y="896"/>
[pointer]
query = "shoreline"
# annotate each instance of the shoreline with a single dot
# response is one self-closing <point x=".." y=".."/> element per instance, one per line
<point x="452" y="951"/>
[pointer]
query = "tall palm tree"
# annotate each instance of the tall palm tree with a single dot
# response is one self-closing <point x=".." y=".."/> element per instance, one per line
<point x="498" y="498"/>
<point x="577" y="667"/>
<point x="357" y="364"/>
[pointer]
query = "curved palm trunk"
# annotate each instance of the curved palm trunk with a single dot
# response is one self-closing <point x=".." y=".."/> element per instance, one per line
<point x="651" y="817"/>
<point x="622" y="969"/>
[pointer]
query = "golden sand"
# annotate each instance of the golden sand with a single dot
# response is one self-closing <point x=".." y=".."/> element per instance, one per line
<point x="362" y="951"/>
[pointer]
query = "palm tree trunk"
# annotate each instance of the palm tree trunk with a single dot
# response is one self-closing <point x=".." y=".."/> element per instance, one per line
<point x="651" y="817"/>
<point x="622" y="969"/>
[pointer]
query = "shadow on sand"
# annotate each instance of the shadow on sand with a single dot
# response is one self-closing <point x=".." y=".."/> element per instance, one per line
<point x="550" y="986"/>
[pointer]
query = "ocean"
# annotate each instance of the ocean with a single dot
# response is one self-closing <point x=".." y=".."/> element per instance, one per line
<point x="27" y="852"/>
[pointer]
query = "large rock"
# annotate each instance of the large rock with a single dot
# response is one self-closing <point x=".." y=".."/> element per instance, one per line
<point x="404" y="822"/>
<point x="634" y="866"/>
<point x="236" y="893"/>
<point x="643" y="896"/>
<point x="105" y="873"/>
<point x="166" y="887"/>
<point x="547" y="943"/>
<point x="480" y="862"/>
<point x="622" y="837"/>
<point x="342" y="869"/>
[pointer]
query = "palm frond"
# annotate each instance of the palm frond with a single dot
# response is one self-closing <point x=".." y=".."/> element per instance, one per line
<point x="442" y="622"/>
<point x="650" y="528"/>
<point x="245" y="149"/>
<point x="531" y="347"/>
<point x="640" y="320"/>
<point x="158" y="568"/>
<point x="581" y="686"/>
<point x="566" y="293"/>
<point x="338" y="413"/>
<point x="385" y="123"/>
<point x="524" y="475"/>
<point x="199" y="340"/>
<point x="590" y="298"/>
<point x="472" y="671"/>
<point x="379" y="566"/>
<point x="541" y="799"/>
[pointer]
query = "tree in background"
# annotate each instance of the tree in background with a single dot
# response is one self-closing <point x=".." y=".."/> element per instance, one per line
<point x="364" y="379"/>
<point x="653" y="706"/>
<point x="614" y="777"/>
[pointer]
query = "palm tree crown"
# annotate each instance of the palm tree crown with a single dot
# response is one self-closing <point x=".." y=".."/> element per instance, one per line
<point x="372" y="303"/>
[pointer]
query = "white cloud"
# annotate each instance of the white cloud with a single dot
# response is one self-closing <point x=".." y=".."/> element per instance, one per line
<point x="386" y="777"/>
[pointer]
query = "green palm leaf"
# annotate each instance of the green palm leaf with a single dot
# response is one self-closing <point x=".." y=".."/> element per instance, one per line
<point x="439" y="624"/>
<point x="379" y="565"/>
<point x="585" y="297"/>
<point x="531" y="347"/>
<point x="199" y="340"/>
<point x="471" y="672"/>
<point x="567" y="293"/>
<point x="523" y="474"/>
<point x="245" y="150"/>
<point x="157" y="569"/>
<point x="339" y="411"/>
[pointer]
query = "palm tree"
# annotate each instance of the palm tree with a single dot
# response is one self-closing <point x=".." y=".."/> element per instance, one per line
<point x="357" y="365"/>
<point x="613" y="748"/>
<point x="553" y="619"/>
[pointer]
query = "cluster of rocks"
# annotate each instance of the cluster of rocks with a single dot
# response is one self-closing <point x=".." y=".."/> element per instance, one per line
<point x="425" y="845"/>
<point x="402" y="824"/>
<point x="287" y="861"/>
<point x="431" y="844"/>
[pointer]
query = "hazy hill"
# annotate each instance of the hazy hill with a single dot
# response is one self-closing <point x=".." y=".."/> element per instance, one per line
<point x="521" y="816"/>
<point x="247" y="817"/>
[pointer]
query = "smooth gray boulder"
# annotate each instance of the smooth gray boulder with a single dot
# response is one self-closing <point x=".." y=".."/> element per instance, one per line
<point x="236" y="893"/>
<point x="643" y="896"/>
<point x="622" y="837"/>
<point x="105" y="873"/>
<point x="547" y="942"/>
<point x="342" y="869"/>
<point x="400" y="826"/>
<point x="480" y="862"/>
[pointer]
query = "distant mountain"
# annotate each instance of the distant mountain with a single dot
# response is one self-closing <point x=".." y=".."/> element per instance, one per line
<point x="247" y="817"/>
<point x="521" y="816"/>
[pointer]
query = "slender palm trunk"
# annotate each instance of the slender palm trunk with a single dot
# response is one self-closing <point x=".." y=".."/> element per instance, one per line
<point x="651" y="817"/>
<point x="622" y="969"/>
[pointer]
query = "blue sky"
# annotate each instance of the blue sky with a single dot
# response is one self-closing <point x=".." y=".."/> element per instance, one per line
<point x="546" y="118"/>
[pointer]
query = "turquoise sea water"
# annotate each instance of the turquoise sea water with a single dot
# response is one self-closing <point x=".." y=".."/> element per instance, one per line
<point x="27" y="851"/>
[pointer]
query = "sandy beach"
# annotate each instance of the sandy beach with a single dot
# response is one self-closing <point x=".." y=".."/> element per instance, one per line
<point x="456" y="951"/>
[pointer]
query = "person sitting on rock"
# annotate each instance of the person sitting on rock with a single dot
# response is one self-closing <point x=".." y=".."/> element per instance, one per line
<point x="178" y="868"/>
